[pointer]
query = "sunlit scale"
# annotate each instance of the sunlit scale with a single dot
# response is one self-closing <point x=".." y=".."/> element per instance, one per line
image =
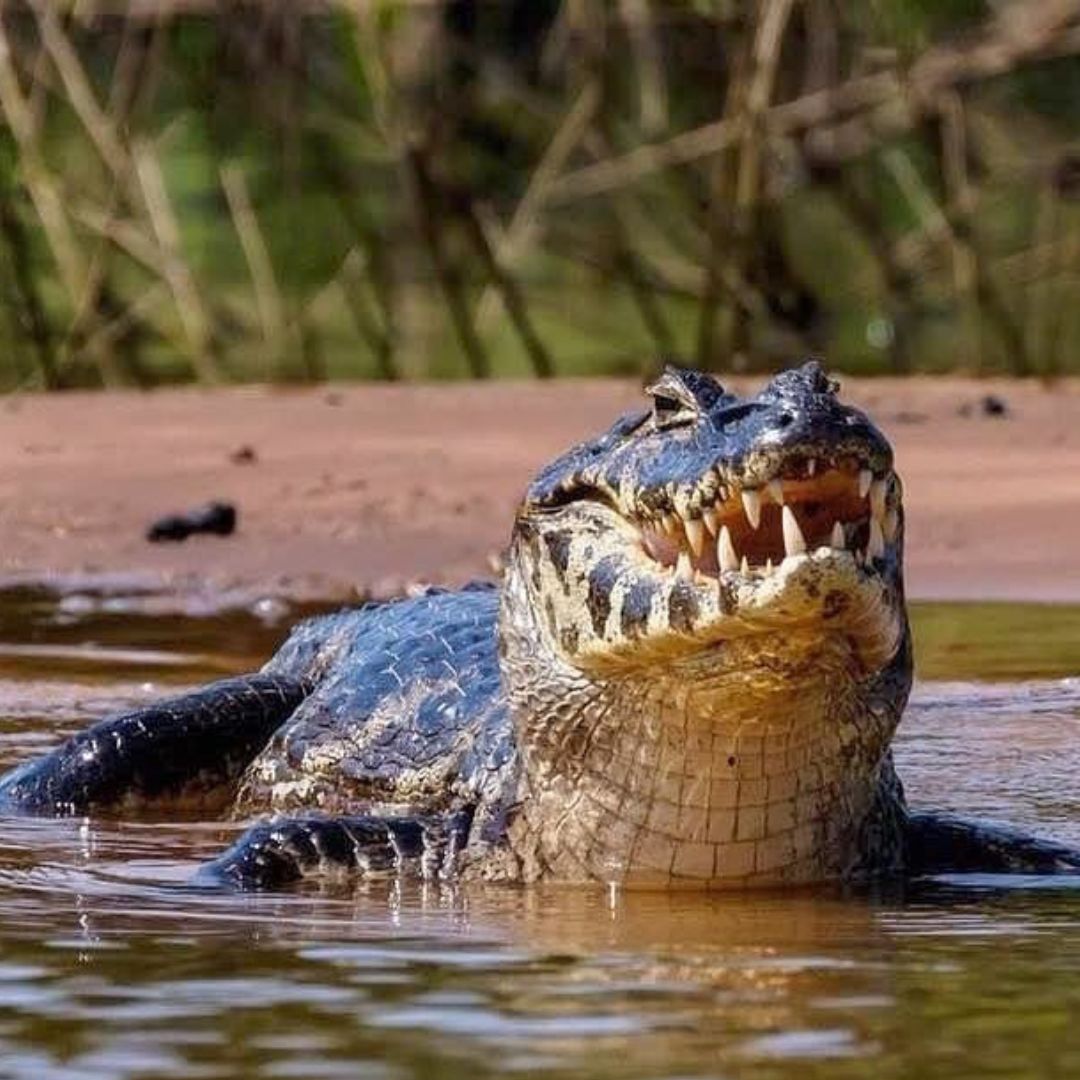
<point x="840" y="505"/>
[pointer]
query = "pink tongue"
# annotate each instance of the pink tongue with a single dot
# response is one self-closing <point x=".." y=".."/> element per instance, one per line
<point x="660" y="548"/>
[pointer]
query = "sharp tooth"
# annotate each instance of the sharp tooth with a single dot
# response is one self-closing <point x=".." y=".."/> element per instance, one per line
<point x="811" y="466"/>
<point x="837" y="538"/>
<point x="866" y="478"/>
<point x="684" y="568"/>
<point x="769" y="568"/>
<point x="891" y="525"/>
<point x="875" y="547"/>
<point x="695" y="533"/>
<point x="744" y="566"/>
<point x="794" y="544"/>
<point x="751" y="500"/>
<point x="877" y="499"/>
<point x="710" y="517"/>
<point x="725" y="551"/>
<point x="776" y="490"/>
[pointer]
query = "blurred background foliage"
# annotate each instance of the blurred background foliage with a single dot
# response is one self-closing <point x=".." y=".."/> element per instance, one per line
<point x="296" y="191"/>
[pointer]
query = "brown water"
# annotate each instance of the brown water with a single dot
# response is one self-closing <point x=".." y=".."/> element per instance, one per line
<point x="111" y="968"/>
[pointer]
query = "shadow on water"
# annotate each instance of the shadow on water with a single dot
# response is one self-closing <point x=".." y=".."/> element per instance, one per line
<point x="111" y="966"/>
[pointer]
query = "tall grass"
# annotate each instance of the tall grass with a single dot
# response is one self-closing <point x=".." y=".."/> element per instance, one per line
<point x="402" y="190"/>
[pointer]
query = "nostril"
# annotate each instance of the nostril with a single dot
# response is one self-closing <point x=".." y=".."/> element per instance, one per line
<point x="785" y="419"/>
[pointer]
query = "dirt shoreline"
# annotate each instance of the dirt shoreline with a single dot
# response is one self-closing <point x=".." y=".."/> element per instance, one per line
<point x="365" y="488"/>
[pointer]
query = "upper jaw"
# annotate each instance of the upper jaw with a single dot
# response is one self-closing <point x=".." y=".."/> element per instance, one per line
<point x="747" y="517"/>
<point x="749" y="523"/>
<point x="840" y="503"/>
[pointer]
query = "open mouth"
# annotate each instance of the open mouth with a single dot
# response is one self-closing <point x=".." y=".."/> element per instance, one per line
<point x="813" y="503"/>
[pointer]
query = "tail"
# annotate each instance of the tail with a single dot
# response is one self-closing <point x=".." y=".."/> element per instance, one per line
<point x="943" y="843"/>
<point x="180" y="747"/>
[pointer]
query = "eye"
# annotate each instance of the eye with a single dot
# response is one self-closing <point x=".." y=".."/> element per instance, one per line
<point x="674" y="402"/>
<point x="672" y="410"/>
<point x="667" y="409"/>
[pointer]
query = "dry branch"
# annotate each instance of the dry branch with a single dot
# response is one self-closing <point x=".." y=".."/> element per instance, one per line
<point x="257" y="253"/>
<point x="512" y="299"/>
<point x="848" y="119"/>
<point x="41" y="185"/>
<point x="32" y="317"/>
<point x="637" y="18"/>
<point x="524" y="224"/>
<point x="731" y="228"/>
<point x="350" y="280"/>
<point x="428" y="201"/>
<point x="177" y="273"/>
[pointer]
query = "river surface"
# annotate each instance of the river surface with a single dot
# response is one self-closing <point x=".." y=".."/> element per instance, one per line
<point x="110" y="967"/>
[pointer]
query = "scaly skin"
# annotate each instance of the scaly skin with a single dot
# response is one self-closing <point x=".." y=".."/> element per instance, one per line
<point x="691" y="674"/>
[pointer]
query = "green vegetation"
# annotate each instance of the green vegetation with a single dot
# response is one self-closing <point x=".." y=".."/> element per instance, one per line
<point x="995" y="641"/>
<point x="397" y="190"/>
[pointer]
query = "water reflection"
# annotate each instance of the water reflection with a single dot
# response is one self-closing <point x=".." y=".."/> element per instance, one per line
<point x="117" y="978"/>
<point x="111" y="966"/>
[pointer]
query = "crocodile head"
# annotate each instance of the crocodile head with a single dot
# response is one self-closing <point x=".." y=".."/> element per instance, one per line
<point x="710" y="594"/>
<point x="711" y="517"/>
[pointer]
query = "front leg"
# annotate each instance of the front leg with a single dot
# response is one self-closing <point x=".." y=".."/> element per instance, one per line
<point x="276" y="853"/>
<point x="191" y="746"/>
<point x="942" y="843"/>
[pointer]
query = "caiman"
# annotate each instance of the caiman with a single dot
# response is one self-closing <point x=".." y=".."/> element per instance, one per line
<point x="690" y="674"/>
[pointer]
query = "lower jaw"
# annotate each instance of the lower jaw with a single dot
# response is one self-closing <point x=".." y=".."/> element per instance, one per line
<point x="812" y="598"/>
<point x="808" y="599"/>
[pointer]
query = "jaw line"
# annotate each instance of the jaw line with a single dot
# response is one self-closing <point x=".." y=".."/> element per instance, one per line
<point x="818" y="595"/>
